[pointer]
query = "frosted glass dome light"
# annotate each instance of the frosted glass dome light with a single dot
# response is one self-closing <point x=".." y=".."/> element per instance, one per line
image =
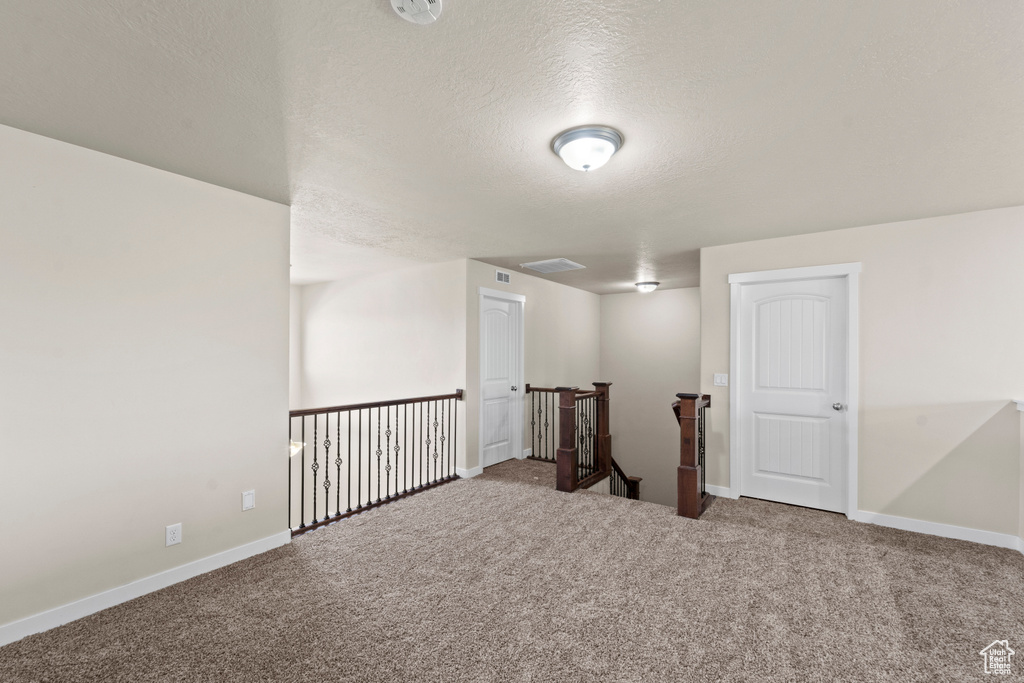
<point x="646" y="287"/>
<point x="588" y="147"/>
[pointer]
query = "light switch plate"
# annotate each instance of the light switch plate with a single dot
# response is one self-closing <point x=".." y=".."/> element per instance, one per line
<point x="248" y="500"/>
<point x="721" y="379"/>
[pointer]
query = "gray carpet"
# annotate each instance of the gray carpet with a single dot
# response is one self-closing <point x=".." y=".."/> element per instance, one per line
<point x="501" y="578"/>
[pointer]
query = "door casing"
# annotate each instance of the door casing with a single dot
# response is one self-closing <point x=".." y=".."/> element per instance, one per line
<point x="851" y="273"/>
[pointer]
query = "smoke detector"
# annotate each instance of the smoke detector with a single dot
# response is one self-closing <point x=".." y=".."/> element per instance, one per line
<point x="418" y="11"/>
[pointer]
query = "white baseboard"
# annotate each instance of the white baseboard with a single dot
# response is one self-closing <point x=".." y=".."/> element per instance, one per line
<point x="467" y="474"/>
<point x="526" y="454"/>
<point x="936" y="529"/>
<point x="44" y="621"/>
<point x="720" y="491"/>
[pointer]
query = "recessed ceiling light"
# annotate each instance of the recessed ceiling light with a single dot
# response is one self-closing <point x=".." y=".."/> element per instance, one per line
<point x="587" y="148"/>
<point x="645" y="287"/>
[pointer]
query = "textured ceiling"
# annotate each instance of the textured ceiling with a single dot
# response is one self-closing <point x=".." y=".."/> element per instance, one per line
<point x="394" y="142"/>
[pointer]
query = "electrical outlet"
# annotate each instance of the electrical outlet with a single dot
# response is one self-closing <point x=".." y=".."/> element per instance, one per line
<point x="173" y="534"/>
<point x="248" y="500"/>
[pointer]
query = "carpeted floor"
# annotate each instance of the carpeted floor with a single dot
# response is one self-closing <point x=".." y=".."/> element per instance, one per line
<point x="501" y="578"/>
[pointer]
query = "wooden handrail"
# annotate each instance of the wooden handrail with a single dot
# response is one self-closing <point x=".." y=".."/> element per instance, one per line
<point x="690" y="490"/>
<point x="377" y="404"/>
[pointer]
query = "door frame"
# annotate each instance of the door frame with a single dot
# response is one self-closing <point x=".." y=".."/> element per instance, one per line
<point x="851" y="273"/>
<point x="516" y="425"/>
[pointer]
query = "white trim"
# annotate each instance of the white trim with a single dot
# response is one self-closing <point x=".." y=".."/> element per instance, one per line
<point x="527" y="452"/>
<point x="734" y="383"/>
<point x="1020" y="405"/>
<point x="849" y="271"/>
<point x="720" y="491"/>
<point x="52" y="618"/>
<point x="852" y="388"/>
<point x="470" y="473"/>
<point x="936" y="529"/>
<point x="517" y="413"/>
<point x="499" y="294"/>
<point x="788" y="274"/>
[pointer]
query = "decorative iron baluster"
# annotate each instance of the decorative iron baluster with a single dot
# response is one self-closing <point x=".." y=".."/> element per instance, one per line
<point x="290" y="454"/>
<point x="428" y="443"/>
<point x="455" y="432"/>
<point x="420" y="443"/>
<point x="337" y="461"/>
<point x="700" y="449"/>
<point x="441" y="440"/>
<point x="387" y="457"/>
<point x="379" y="453"/>
<point x="405" y="448"/>
<point x="359" y="464"/>
<point x="315" y="466"/>
<point x="397" y="450"/>
<point x="348" y="477"/>
<point x="533" y="425"/>
<point x="327" y="466"/>
<point x="547" y="434"/>
<point x="302" y="479"/>
<point x="435" y="442"/>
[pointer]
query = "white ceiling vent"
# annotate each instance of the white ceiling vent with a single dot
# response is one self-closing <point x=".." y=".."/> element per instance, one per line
<point x="418" y="11"/>
<point x="501" y="277"/>
<point x="553" y="265"/>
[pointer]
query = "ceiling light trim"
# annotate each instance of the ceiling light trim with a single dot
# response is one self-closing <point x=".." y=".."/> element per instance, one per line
<point x="560" y="145"/>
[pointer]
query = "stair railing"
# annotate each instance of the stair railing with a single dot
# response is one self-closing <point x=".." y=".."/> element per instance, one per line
<point x="692" y="495"/>
<point x="364" y="455"/>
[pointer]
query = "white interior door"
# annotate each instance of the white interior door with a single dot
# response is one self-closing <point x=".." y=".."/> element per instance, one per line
<point x="500" y="377"/>
<point x="791" y="391"/>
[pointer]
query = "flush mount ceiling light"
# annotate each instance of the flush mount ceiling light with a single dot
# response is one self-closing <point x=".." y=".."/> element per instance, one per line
<point x="645" y="287"/>
<point x="587" y="148"/>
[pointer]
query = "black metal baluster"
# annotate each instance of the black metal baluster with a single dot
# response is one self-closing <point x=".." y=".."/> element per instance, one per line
<point x="378" y="454"/>
<point x="302" y="479"/>
<point x="315" y="466"/>
<point x="533" y="425"/>
<point x="348" y="476"/>
<point x="420" y="444"/>
<point x="455" y="431"/>
<point x="451" y="409"/>
<point x="398" y="450"/>
<point x="337" y="461"/>
<point x="428" y="444"/>
<point x="387" y="458"/>
<point x="547" y="436"/>
<point x="405" y="448"/>
<point x="290" y="420"/>
<point x="327" y="466"/>
<point x="435" y="442"/>
<point x="442" y="441"/>
<point x="359" y="463"/>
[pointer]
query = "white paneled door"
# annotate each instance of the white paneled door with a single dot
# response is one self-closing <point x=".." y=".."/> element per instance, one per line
<point x="500" y="376"/>
<point x="792" y="394"/>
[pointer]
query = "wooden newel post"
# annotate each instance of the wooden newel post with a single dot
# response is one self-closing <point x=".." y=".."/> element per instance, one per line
<point x="692" y="499"/>
<point x="604" y="437"/>
<point x="566" y="458"/>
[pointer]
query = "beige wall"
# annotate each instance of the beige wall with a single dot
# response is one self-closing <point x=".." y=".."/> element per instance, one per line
<point x="397" y="334"/>
<point x="143" y="353"/>
<point x="1020" y="524"/>
<point x="295" y="347"/>
<point x="562" y="330"/>
<point x="650" y="351"/>
<point x="941" y="324"/>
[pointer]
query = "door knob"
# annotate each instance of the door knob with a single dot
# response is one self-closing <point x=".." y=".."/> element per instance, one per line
<point x="837" y="406"/>
<point x="513" y="389"/>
